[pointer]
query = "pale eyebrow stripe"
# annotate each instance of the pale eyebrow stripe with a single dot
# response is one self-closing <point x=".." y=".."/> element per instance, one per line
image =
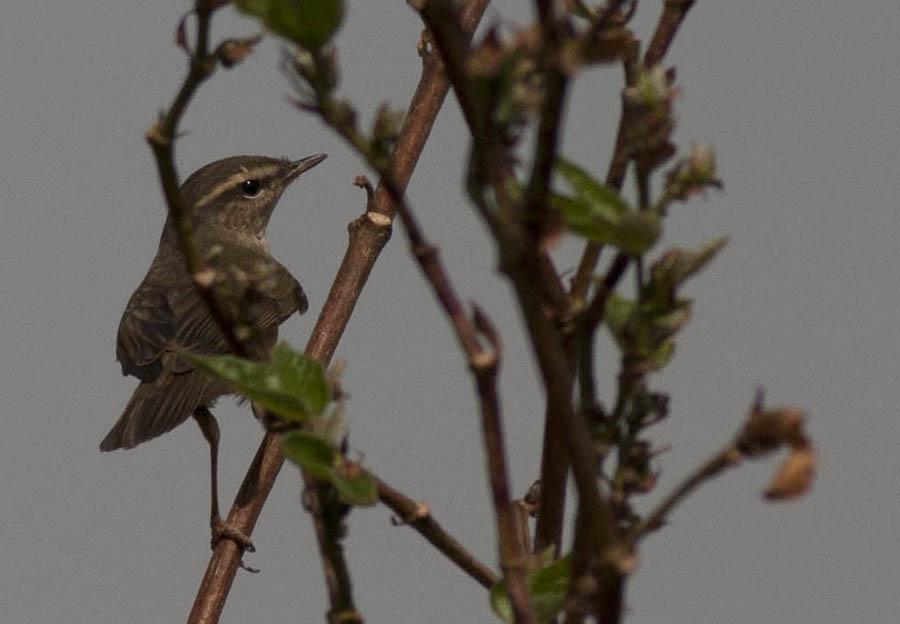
<point x="266" y="171"/>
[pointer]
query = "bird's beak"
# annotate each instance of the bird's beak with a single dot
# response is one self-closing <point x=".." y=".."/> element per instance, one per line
<point x="304" y="164"/>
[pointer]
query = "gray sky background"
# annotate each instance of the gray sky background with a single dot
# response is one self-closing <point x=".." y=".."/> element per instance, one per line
<point x="800" y="100"/>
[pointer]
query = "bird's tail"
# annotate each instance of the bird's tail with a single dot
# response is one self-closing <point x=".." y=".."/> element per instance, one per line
<point x="157" y="407"/>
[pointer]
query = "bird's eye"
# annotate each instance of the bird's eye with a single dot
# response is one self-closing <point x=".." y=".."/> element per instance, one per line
<point x="251" y="188"/>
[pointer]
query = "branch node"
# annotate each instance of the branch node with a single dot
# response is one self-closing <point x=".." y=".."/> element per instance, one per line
<point x="379" y="220"/>
<point x="155" y="135"/>
<point x="421" y="511"/>
<point x="424" y="252"/>
<point x="483" y="361"/>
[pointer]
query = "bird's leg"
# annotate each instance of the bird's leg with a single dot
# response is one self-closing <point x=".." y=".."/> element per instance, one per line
<point x="220" y="530"/>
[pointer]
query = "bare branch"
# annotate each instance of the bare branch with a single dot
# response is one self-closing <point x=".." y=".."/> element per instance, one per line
<point x="418" y="516"/>
<point x="484" y="364"/>
<point x="674" y="12"/>
<point x="593" y="316"/>
<point x="521" y="262"/>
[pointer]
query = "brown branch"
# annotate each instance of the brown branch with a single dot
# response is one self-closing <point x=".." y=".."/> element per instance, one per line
<point x="418" y="516"/>
<point x="674" y="12"/>
<point x="368" y="235"/>
<point x="328" y="521"/>
<point x="554" y="460"/>
<point x="521" y="262"/>
<point x="485" y="365"/>
<point x="483" y="362"/>
<point x="590" y="322"/>
<point x="556" y="89"/>
<point x="554" y="475"/>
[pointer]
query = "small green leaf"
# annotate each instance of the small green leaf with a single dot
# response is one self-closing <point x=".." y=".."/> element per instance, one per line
<point x="678" y="265"/>
<point x="355" y="486"/>
<point x="659" y="358"/>
<point x="618" y="311"/>
<point x="308" y="23"/>
<point x="548" y="587"/>
<point x="602" y="198"/>
<point x="666" y="323"/>
<point x="291" y="385"/>
<point x="637" y="232"/>
<point x="311" y="453"/>
<point x="598" y="213"/>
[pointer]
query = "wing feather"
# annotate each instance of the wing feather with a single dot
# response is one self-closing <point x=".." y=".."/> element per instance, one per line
<point x="167" y="314"/>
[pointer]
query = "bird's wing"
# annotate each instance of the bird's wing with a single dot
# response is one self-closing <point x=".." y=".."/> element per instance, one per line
<point x="145" y="331"/>
<point x="161" y="320"/>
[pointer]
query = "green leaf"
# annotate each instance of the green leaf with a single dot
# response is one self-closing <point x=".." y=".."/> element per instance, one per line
<point x="598" y="213"/>
<point x="308" y="23"/>
<point x="667" y="322"/>
<point x="659" y="358"/>
<point x="678" y="265"/>
<point x="644" y="331"/>
<point x="548" y="587"/>
<point x="311" y="453"/>
<point x="637" y="232"/>
<point x="291" y="385"/>
<point x="602" y="198"/>
<point x="354" y="485"/>
<point x="618" y="311"/>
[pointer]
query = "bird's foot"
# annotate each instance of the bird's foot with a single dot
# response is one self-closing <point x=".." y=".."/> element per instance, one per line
<point x="221" y="530"/>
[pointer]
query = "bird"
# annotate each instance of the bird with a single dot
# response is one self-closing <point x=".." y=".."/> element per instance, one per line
<point x="229" y="203"/>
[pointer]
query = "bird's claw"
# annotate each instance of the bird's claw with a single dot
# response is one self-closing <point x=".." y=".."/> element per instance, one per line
<point x="221" y="530"/>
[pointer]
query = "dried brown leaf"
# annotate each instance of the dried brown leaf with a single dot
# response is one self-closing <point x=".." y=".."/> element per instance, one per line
<point x="795" y="476"/>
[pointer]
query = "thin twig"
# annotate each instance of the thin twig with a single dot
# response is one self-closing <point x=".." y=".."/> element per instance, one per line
<point x="418" y="516"/>
<point x="161" y="138"/>
<point x="368" y="236"/>
<point x="550" y="127"/>
<point x="484" y="364"/>
<point x="591" y="319"/>
<point x="727" y="457"/>
<point x="522" y="264"/>
<point x="512" y="550"/>
<point x="328" y="515"/>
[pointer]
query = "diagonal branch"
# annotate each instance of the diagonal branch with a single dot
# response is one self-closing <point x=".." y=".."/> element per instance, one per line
<point x="674" y="13"/>
<point x="368" y="236"/>
<point x="418" y="516"/>
<point x="485" y="366"/>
